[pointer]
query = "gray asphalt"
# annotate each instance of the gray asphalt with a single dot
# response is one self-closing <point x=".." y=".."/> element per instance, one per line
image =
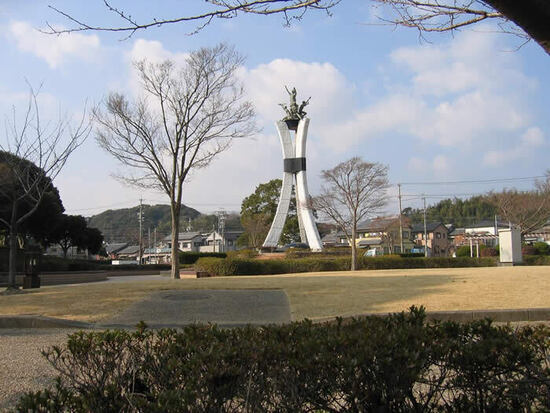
<point x="176" y="308"/>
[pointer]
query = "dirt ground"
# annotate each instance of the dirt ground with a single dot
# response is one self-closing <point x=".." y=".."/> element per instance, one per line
<point x="314" y="295"/>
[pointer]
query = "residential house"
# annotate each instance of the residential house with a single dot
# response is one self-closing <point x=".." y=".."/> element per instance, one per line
<point x="113" y="248"/>
<point x="335" y="239"/>
<point x="482" y="233"/>
<point x="437" y="238"/>
<point x="187" y="241"/>
<point x="538" y="235"/>
<point x="216" y="242"/>
<point x="158" y="255"/>
<point x="129" y="253"/>
<point x="383" y="235"/>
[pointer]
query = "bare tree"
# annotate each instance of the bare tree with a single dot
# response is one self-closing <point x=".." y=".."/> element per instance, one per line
<point x="33" y="154"/>
<point x="186" y="117"/>
<point x="528" y="210"/>
<point x="528" y="19"/>
<point x="353" y="190"/>
<point x="256" y="227"/>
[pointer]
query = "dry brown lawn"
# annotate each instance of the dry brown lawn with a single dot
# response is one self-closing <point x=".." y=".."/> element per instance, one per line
<point x="314" y="295"/>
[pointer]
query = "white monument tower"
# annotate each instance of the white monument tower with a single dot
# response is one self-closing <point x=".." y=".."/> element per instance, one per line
<point x="294" y="166"/>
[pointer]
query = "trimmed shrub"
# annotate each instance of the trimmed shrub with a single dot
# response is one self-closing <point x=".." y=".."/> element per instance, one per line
<point x="528" y="250"/>
<point x="536" y="260"/>
<point x="236" y="266"/>
<point x="489" y="252"/>
<point x="189" y="257"/>
<point x="542" y="248"/>
<point x="49" y="263"/>
<point x="463" y="251"/>
<point x="294" y="253"/>
<point x="246" y="253"/>
<point x="411" y="255"/>
<point x="397" y="363"/>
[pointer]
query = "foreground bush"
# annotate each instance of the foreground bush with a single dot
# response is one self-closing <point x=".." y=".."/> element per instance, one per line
<point x="397" y="363"/>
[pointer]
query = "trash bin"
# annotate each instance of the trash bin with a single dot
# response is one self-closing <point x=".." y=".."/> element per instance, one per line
<point x="32" y="270"/>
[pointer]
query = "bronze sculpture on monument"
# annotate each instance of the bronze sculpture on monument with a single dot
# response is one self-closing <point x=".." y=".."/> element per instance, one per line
<point x="294" y="171"/>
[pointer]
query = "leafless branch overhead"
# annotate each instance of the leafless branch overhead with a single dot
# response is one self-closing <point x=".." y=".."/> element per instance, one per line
<point x="224" y="9"/>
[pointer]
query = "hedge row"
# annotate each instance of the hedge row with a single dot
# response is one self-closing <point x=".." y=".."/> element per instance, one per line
<point x="392" y="364"/>
<point x="50" y="263"/>
<point x="192" y="257"/>
<point x="236" y="266"/>
<point x="536" y="260"/>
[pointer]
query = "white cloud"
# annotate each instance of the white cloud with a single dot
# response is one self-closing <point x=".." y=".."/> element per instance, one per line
<point x="439" y="165"/>
<point x="531" y="139"/>
<point x="331" y="92"/>
<point x="54" y="49"/>
<point x="153" y="51"/>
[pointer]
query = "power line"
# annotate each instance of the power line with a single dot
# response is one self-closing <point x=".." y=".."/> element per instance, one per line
<point x="476" y="181"/>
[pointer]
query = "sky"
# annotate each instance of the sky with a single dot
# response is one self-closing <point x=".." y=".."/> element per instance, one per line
<point x="472" y="106"/>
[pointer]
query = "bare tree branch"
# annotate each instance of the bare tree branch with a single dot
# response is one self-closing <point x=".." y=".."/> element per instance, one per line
<point x="186" y="117"/>
<point x="223" y="9"/>
<point x="527" y="19"/>
<point x="528" y="210"/>
<point x="352" y="191"/>
<point x="30" y="159"/>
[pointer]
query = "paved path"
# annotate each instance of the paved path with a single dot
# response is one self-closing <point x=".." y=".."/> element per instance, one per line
<point x="175" y="308"/>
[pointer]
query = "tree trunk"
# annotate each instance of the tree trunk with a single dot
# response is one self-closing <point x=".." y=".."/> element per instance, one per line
<point x="175" y="212"/>
<point x="533" y="16"/>
<point x="353" y="247"/>
<point x="12" y="266"/>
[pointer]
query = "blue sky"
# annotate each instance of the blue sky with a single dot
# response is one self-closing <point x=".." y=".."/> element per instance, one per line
<point x="463" y="107"/>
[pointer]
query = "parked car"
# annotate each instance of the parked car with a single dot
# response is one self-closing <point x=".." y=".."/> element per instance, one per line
<point x="373" y="252"/>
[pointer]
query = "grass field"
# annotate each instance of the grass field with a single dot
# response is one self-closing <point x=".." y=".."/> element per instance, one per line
<point x="314" y="295"/>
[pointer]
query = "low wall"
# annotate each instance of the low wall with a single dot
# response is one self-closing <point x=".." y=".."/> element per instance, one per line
<point x="58" y="278"/>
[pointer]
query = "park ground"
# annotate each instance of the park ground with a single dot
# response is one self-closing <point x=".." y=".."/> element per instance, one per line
<point x="313" y="295"/>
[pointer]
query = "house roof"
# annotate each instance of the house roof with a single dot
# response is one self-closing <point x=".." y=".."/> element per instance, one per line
<point x="232" y="235"/>
<point x="113" y="248"/>
<point x="379" y="224"/>
<point x="430" y="227"/>
<point x="369" y="242"/>
<point x="131" y="249"/>
<point x="488" y="223"/>
<point x="184" y="236"/>
<point x="457" y="231"/>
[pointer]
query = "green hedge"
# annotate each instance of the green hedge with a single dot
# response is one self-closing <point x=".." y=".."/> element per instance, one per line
<point x="235" y="266"/>
<point x="192" y="257"/>
<point x="49" y="263"/>
<point x="536" y="260"/>
<point x="376" y="364"/>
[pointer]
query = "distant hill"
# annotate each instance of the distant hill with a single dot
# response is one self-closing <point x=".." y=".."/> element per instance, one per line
<point x="123" y="224"/>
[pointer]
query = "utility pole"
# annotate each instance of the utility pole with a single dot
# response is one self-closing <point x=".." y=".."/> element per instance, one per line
<point x="140" y="218"/>
<point x="155" y="244"/>
<point x="425" y="230"/>
<point x="213" y="237"/>
<point x="149" y="243"/>
<point x="400" y="219"/>
<point x="221" y="229"/>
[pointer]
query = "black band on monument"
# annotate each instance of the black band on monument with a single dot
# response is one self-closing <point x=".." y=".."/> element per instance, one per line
<point x="294" y="165"/>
